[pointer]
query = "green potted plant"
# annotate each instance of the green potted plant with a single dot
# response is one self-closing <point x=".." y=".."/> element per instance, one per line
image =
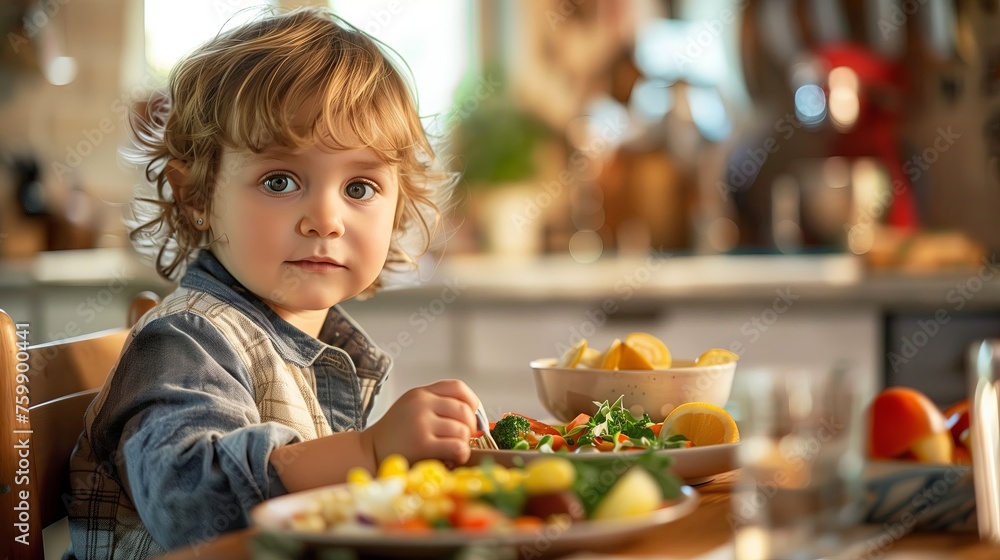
<point x="495" y="144"/>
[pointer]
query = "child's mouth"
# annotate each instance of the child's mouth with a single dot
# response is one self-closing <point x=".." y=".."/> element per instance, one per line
<point x="316" y="266"/>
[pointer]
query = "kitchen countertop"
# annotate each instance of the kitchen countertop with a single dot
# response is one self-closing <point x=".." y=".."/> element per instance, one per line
<point x="832" y="279"/>
<point x="90" y="267"/>
<point x="828" y="278"/>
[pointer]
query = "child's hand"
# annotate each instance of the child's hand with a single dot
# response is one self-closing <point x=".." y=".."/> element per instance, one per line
<point x="435" y="421"/>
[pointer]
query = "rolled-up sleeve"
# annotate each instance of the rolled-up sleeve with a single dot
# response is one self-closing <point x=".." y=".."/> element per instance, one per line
<point x="181" y="415"/>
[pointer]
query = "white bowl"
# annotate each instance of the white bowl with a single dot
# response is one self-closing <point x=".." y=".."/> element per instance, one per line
<point x="566" y="392"/>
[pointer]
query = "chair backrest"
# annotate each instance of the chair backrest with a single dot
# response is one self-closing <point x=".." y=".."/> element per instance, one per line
<point x="44" y="392"/>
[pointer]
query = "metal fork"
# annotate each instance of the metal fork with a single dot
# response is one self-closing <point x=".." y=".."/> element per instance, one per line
<point x="486" y="440"/>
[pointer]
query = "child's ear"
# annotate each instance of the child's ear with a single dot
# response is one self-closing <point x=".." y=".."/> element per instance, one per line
<point x="178" y="175"/>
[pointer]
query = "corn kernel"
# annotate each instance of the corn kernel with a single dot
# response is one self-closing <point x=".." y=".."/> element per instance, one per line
<point x="359" y="475"/>
<point x="486" y="482"/>
<point x="515" y="479"/>
<point x="467" y="485"/>
<point x="430" y="465"/>
<point x="500" y="475"/>
<point x="393" y="465"/>
<point x="428" y="477"/>
<point x="549" y="475"/>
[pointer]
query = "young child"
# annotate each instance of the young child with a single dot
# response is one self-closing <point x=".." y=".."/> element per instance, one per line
<point x="288" y="161"/>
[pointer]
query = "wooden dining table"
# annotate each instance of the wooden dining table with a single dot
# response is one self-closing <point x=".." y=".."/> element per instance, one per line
<point x="705" y="534"/>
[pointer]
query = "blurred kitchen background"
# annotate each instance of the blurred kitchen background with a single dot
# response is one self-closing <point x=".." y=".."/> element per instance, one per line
<point x="800" y="181"/>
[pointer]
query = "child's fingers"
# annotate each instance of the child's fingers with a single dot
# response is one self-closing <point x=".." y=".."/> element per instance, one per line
<point x="443" y="428"/>
<point x="451" y="451"/>
<point x="454" y="409"/>
<point x="455" y="389"/>
<point x="444" y="440"/>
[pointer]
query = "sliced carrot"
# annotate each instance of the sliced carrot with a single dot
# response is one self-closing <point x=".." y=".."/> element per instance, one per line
<point x="559" y="442"/>
<point x="540" y="427"/>
<point x="602" y="445"/>
<point x="580" y="420"/>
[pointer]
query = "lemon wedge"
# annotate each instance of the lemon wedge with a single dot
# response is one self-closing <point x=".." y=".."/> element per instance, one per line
<point x="592" y="358"/>
<point x="716" y="356"/>
<point x="632" y="358"/>
<point x="572" y="355"/>
<point x="613" y="356"/>
<point x="635" y="493"/>
<point x="654" y="350"/>
<point x="702" y="423"/>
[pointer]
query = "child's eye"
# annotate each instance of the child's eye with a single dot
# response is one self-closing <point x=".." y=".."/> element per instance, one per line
<point x="280" y="184"/>
<point x="360" y="190"/>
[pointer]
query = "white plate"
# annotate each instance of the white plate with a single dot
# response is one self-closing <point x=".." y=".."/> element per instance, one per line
<point x="696" y="465"/>
<point x="273" y="515"/>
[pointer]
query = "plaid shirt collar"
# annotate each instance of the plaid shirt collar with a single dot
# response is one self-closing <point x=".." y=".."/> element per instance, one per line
<point x="207" y="274"/>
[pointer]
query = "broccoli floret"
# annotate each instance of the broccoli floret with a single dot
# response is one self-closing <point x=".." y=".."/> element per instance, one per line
<point x="509" y="430"/>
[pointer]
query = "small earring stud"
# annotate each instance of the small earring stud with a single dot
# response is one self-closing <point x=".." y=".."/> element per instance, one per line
<point x="200" y="222"/>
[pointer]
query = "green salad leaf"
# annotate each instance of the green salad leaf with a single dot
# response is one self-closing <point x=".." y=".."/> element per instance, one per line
<point x="612" y="419"/>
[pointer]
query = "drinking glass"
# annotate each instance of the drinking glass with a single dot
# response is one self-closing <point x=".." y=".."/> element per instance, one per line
<point x="984" y="395"/>
<point x="801" y="454"/>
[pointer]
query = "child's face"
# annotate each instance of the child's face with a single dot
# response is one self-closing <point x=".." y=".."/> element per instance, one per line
<point x="304" y="229"/>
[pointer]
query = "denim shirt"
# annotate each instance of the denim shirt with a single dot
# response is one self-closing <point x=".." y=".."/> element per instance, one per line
<point x="176" y="445"/>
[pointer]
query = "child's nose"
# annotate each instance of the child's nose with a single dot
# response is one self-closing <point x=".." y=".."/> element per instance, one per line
<point x="324" y="218"/>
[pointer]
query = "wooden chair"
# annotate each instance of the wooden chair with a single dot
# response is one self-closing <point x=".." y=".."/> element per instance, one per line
<point x="44" y="393"/>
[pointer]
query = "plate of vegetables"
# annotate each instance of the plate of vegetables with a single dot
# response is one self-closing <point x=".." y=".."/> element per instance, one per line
<point x="700" y="439"/>
<point x="426" y="510"/>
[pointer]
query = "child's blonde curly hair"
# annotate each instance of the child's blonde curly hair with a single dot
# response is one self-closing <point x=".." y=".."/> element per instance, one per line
<point x="239" y="90"/>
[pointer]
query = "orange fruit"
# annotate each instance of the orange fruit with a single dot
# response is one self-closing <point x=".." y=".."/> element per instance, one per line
<point x="702" y="423"/>
<point x="613" y="356"/>
<point x="902" y="420"/>
<point x="716" y="356"/>
<point x="652" y="348"/>
<point x="631" y="358"/>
